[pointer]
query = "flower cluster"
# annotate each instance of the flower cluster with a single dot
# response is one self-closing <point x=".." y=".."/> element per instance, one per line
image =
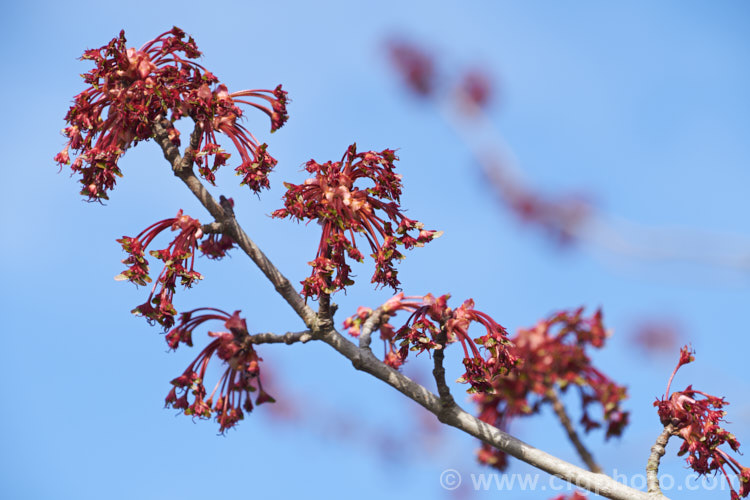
<point x="476" y="89"/>
<point x="562" y="218"/>
<point x="232" y="392"/>
<point x="158" y="308"/>
<point x="217" y="111"/>
<point x="415" y="65"/>
<point x="130" y="90"/>
<point x="344" y="209"/>
<point x="696" y="417"/>
<point x="216" y="246"/>
<point x="472" y="90"/>
<point x="554" y="357"/>
<point x="431" y="316"/>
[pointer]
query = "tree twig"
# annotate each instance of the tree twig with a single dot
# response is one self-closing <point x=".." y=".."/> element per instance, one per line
<point x="287" y="338"/>
<point x="657" y="451"/>
<point x="564" y="419"/>
<point x="447" y="403"/>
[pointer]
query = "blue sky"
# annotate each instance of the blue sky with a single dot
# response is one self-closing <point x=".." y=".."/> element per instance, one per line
<point x="644" y="106"/>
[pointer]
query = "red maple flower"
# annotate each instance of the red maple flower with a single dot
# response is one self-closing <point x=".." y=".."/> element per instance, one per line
<point x="128" y="90"/>
<point x="415" y="65"/>
<point x="159" y="307"/>
<point x="217" y="111"/>
<point x="476" y="89"/>
<point x="232" y="392"/>
<point x="695" y="417"/>
<point x="344" y="209"/>
<point x="429" y="317"/>
<point x="561" y="217"/>
<point x="216" y="246"/>
<point x="553" y="355"/>
<point x="132" y="89"/>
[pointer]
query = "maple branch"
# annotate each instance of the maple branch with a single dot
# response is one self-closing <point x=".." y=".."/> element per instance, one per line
<point x="564" y="419"/>
<point x="657" y="451"/>
<point x="364" y="360"/>
<point x="600" y="484"/>
<point x="231" y="227"/>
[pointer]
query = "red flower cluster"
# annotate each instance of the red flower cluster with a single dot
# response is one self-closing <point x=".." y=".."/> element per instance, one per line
<point x="563" y="217"/>
<point x="216" y="246"/>
<point x="695" y="417"/>
<point x="476" y="88"/>
<point x="344" y="209"/>
<point x="158" y="307"/>
<point x="415" y="65"/>
<point x="217" y="111"/>
<point x="130" y="90"/>
<point x="553" y="353"/>
<point x="429" y="317"/>
<point x="241" y="377"/>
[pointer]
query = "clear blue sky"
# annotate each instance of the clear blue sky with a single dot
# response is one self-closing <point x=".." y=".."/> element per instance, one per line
<point x="645" y="106"/>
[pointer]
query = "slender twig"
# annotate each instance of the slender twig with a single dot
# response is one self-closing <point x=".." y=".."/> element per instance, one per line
<point x="657" y="451"/>
<point x="364" y="360"/>
<point x="287" y="338"/>
<point x="447" y="403"/>
<point x="372" y="322"/>
<point x="564" y="419"/>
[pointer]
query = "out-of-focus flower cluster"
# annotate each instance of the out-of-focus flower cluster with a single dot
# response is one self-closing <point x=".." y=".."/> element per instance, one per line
<point x="178" y="258"/>
<point x="469" y="92"/>
<point x="129" y="90"/>
<point x="429" y="316"/>
<point x="561" y="217"/>
<point x="656" y="336"/>
<point x="553" y="357"/>
<point x="415" y="65"/>
<point x="370" y="208"/>
<point x="696" y="418"/>
<point x="230" y="398"/>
